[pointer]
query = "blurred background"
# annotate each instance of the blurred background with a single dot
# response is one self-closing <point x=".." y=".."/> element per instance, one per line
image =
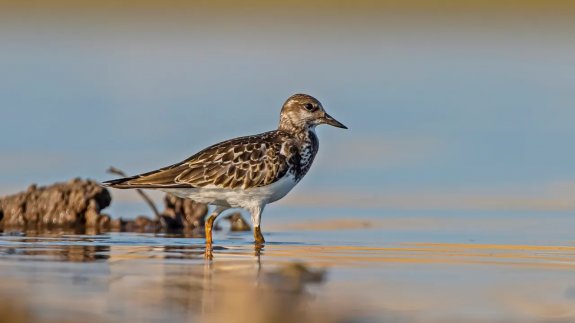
<point x="451" y="105"/>
<point x="456" y="177"/>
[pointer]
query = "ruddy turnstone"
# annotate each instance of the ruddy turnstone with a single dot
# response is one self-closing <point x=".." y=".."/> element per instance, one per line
<point x="247" y="172"/>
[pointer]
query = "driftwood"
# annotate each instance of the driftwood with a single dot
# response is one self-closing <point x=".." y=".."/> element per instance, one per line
<point x="237" y="222"/>
<point x="78" y="204"/>
<point x="74" y="203"/>
<point x="183" y="213"/>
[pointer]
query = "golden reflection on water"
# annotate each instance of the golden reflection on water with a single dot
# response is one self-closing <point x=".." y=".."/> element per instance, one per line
<point x="62" y="277"/>
<point x="151" y="283"/>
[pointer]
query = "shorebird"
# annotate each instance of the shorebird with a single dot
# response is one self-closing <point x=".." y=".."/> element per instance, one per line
<point x="246" y="172"/>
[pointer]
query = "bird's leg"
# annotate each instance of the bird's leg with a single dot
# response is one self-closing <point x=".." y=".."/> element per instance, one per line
<point x="210" y="222"/>
<point x="256" y="218"/>
<point x="209" y="255"/>
<point x="258" y="236"/>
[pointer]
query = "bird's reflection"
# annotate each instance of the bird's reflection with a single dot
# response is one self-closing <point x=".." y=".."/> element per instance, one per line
<point x="177" y="280"/>
<point x="280" y="293"/>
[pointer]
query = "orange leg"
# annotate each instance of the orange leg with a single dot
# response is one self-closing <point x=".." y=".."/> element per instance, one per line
<point x="210" y="222"/>
<point x="209" y="226"/>
<point x="209" y="255"/>
<point x="258" y="236"/>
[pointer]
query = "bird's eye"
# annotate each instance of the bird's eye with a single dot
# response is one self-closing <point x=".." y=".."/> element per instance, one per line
<point x="309" y="106"/>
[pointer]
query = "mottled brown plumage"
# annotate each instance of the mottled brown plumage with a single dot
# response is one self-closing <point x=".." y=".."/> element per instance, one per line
<point x="245" y="162"/>
<point x="247" y="172"/>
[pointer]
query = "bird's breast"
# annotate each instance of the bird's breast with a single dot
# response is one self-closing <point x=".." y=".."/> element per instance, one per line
<point x="307" y="153"/>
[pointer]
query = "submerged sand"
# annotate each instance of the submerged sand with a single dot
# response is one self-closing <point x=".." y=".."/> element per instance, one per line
<point x="371" y="270"/>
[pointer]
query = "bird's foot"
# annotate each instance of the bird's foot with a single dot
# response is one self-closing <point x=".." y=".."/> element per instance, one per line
<point x="258" y="249"/>
<point x="209" y="255"/>
<point x="258" y="236"/>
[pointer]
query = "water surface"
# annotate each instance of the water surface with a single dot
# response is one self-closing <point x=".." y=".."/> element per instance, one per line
<point x="387" y="268"/>
<point x="450" y="198"/>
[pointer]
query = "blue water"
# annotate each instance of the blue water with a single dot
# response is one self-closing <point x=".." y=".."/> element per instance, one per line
<point x="482" y="267"/>
<point x="479" y="110"/>
<point x="459" y="158"/>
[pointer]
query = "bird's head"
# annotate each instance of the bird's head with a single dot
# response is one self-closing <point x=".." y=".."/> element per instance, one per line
<point x="303" y="112"/>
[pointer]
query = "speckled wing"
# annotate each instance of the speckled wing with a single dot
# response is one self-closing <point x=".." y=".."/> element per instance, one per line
<point x="245" y="162"/>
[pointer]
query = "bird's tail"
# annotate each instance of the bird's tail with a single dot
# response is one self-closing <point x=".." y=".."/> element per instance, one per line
<point x="119" y="183"/>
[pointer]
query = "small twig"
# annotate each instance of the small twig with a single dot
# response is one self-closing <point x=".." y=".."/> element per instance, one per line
<point x="116" y="171"/>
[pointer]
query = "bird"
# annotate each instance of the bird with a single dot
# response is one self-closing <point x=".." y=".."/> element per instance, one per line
<point x="245" y="172"/>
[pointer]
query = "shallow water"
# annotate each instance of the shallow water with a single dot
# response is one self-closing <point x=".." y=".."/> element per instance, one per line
<point x="386" y="268"/>
<point x="452" y="106"/>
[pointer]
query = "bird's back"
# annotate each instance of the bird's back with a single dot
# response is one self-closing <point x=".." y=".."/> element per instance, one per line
<point x="240" y="163"/>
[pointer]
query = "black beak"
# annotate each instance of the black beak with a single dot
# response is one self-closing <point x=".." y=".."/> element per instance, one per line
<point x="327" y="119"/>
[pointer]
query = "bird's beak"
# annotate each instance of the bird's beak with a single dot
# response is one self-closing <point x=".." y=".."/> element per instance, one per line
<point x="327" y="119"/>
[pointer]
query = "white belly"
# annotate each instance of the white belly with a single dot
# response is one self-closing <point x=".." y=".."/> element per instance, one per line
<point x="237" y="197"/>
